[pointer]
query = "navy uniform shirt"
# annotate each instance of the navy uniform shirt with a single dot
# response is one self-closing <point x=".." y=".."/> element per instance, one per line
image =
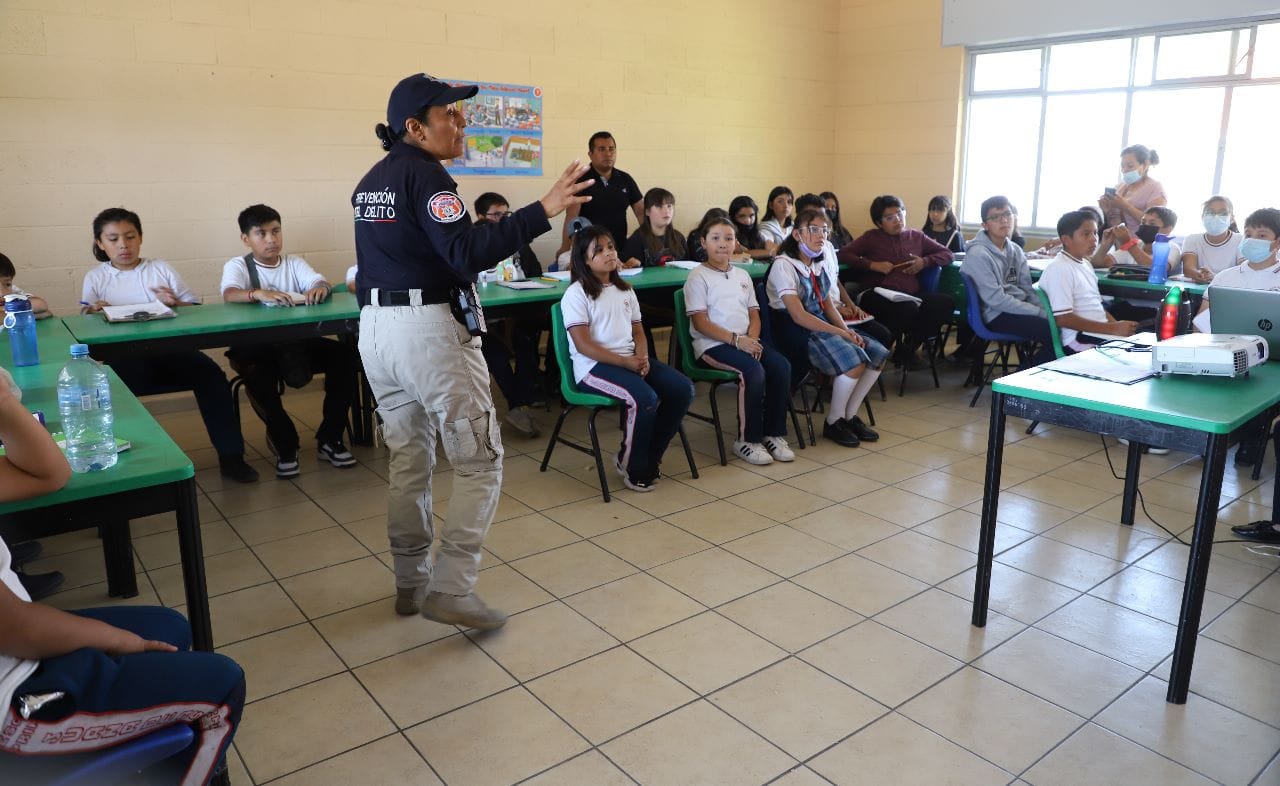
<point x="610" y="202"/>
<point x="413" y="231"/>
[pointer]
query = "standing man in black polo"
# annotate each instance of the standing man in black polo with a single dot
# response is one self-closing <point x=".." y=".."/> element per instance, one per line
<point x="611" y="194"/>
<point x="418" y="256"/>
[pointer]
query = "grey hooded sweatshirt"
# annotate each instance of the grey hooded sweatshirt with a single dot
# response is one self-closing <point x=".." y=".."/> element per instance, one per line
<point x="1002" y="277"/>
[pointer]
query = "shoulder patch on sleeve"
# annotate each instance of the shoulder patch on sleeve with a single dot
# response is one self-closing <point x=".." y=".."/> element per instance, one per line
<point x="446" y="207"/>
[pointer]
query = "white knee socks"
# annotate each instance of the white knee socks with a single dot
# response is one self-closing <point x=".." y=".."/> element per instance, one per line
<point x="842" y="388"/>
<point x="860" y="391"/>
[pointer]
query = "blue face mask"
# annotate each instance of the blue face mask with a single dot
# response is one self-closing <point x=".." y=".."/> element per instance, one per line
<point x="1215" y="224"/>
<point x="1131" y="177"/>
<point x="811" y="254"/>
<point x="1255" y="249"/>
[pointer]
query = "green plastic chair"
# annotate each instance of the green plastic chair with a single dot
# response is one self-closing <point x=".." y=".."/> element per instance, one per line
<point x="699" y="372"/>
<point x="1054" y="332"/>
<point x="573" y="397"/>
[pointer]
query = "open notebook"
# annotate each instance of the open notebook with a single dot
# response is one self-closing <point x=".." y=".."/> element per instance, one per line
<point x="138" y="312"/>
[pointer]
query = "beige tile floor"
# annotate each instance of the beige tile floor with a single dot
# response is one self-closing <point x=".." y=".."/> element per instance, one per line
<point x="793" y="624"/>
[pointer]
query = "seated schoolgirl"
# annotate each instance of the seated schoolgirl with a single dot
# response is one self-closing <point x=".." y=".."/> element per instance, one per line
<point x="696" y="251"/>
<point x="656" y="242"/>
<point x="799" y="288"/>
<point x="1205" y="255"/>
<point x="942" y="225"/>
<point x="126" y="278"/>
<point x="610" y="356"/>
<point x="721" y="302"/>
<point x="746" y="223"/>
<point x="840" y="237"/>
<point x="777" y="224"/>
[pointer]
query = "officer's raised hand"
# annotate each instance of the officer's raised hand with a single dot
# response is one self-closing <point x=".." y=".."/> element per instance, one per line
<point x="566" y="189"/>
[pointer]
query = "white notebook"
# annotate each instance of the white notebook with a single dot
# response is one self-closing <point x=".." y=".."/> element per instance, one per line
<point x="138" y="312"/>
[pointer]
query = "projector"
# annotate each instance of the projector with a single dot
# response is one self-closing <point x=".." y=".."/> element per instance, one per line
<point x="1209" y="354"/>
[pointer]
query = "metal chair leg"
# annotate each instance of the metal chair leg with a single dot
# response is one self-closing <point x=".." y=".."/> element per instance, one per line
<point x="595" y="451"/>
<point x="688" y="453"/>
<point x="715" y="423"/>
<point x="555" y="435"/>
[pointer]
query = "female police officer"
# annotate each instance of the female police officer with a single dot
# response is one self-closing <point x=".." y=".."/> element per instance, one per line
<point x="418" y="256"/>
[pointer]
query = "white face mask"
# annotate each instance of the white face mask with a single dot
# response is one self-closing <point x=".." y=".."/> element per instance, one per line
<point x="1216" y="225"/>
<point x="1255" y="249"/>
<point x="1131" y="177"/>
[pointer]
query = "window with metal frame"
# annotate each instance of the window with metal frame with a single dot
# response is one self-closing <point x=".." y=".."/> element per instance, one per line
<point x="1045" y="123"/>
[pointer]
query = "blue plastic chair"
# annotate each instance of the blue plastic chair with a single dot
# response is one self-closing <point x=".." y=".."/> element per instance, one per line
<point x="99" y="768"/>
<point x="1004" y="341"/>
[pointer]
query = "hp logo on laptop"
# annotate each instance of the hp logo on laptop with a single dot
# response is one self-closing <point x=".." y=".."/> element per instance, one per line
<point x="1265" y="324"/>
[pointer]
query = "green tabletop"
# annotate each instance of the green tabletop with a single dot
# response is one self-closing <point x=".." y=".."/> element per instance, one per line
<point x="1215" y="405"/>
<point x="94" y="329"/>
<point x="154" y="459"/>
<point x="498" y="296"/>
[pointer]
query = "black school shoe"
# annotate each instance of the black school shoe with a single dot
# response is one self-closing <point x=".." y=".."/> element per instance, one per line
<point x="861" y="430"/>
<point x="236" y="469"/>
<point x="41" y="585"/>
<point x="1264" y="531"/>
<point x="840" y="434"/>
<point x="22" y="553"/>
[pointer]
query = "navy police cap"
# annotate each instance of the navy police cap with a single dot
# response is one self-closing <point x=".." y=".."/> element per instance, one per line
<point x="416" y="92"/>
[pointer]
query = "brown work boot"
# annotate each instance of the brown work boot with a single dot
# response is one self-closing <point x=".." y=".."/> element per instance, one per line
<point x="465" y="610"/>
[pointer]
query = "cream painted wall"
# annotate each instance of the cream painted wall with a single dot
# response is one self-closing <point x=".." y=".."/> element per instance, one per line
<point x="187" y="110"/>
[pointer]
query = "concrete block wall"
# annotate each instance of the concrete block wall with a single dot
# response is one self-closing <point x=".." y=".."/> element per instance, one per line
<point x="187" y="110"/>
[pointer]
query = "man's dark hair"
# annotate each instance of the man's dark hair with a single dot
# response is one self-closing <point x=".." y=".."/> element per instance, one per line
<point x="883" y="203"/>
<point x="487" y="200"/>
<point x="1167" y="217"/>
<point x="1267" y="217"/>
<point x="1070" y="222"/>
<point x="992" y="203"/>
<point x="810" y="200"/>
<point x="256" y="216"/>
<point x="591" y="143"/>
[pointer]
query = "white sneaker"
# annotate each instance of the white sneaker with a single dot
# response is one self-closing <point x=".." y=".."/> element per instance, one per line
<point x="779" y="449"/>
<point x="752" y="452"/>
<point x="522" y="421"/>
<point x="1152" y="449"/>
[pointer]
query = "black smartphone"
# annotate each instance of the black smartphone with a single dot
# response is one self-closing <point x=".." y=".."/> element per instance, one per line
<point x="1109" y="191"/>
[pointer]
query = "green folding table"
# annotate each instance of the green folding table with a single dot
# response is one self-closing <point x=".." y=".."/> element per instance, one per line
<point x="1200" y="415"/>
<point x="154" y="476"/>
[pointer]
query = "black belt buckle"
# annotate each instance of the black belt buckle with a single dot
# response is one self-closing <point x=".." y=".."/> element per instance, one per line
<point x="464" y="302"/>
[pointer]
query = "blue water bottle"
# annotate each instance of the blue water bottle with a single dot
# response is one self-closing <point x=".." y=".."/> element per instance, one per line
<point x="21" y="324"/>
<point x="1159" y="260"/>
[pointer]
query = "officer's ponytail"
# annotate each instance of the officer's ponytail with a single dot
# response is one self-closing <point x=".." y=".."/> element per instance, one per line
<point x="385" y="135"/>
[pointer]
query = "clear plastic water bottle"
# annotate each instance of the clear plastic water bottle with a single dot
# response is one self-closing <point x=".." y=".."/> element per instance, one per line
<point x="21" y="324"/>
<point x="1159" y="260"/>
<point x="84" y="402"/>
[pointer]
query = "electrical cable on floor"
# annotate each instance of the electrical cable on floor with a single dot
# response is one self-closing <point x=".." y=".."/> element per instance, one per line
<point x="1143" y="502"/>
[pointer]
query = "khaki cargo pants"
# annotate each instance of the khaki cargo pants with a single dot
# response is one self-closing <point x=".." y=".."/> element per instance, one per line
<point x="431" y="383"/>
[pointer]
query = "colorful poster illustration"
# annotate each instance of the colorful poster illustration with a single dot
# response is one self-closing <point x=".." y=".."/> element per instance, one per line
<point x="504" y="131"/>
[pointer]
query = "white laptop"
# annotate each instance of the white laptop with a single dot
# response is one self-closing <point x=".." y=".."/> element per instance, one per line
<point x="1247" y="312"/>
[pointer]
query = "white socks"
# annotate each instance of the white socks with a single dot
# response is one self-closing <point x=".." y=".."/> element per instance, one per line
<point x="842" y="388"/>
<point x="860" y="390"/>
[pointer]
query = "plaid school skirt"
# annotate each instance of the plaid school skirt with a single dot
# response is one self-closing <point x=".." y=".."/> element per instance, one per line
<point x="833" y="355"/>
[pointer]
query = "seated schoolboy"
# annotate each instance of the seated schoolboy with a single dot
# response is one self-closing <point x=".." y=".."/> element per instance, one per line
<point x="513" y="337"/>
<point x="725" y="327"/>
<point x="1135" y="248"/>
<point x="39" y="306"/>
<point x="126" y="278"/>
<point x="611" y="357"/>
<point x="1259" y="270"/>
<point x="891" y="257"/>
<point x="1072" y="286"/>
<point x="656" y="242"/>
<point x="807" y="326"/>
<point x="999" y="270"/>
<point x="267" y="275"/>
<point x="73" y="682"/>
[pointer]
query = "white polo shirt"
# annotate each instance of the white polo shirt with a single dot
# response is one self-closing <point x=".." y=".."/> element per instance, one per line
<point x="1072" y="287"/>
<point x="773" y="232"/>
<point x="290" y="274"/>
<point x="610" y="317"/>
<point x="13" y="671"/>
<point x="350" y="278"/>
<point x="784" y="279"/>
<point x="727" y="298"/>
<point x="1243" y="276"/>
<point x="1210" y="257"/>
<point x="137" y="285"/>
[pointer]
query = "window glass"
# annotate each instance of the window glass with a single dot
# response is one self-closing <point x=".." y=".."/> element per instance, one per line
<point x="1183" y="126"/>
<point x="1001" y="153"/>
<point x="1018" y="70"/>
<point x="1196" y="55"/>
<point x="1079" y="157"/>
<point x="1248" y="169"/>
<point x="1266" y="53"/>
<point x="1090" y="65"/>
